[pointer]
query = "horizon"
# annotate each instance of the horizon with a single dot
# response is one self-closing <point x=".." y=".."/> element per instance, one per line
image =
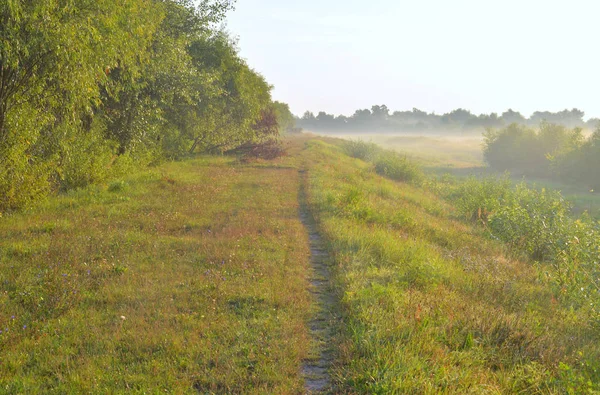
<point x="338" y="57"/>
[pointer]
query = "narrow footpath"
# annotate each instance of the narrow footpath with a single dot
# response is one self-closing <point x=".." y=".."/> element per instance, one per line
<point x="316" y="369"/>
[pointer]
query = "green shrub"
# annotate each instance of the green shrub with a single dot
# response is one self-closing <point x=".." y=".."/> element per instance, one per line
<point x="23" y="178"/>
<point x="398" y="168"/>
<point x="476" y="199"/>
<point x="117" y="186"/>
<point x="85" y="159"/>
<point x="534" y="222"/>
<point x="361" y="150"/>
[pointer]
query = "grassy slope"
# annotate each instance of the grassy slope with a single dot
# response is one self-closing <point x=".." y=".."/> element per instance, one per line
<point x="462" y="155"/>
<point x="191" y="277"/>
<point x="431" y="305"/>
<point x="206" y="261"/>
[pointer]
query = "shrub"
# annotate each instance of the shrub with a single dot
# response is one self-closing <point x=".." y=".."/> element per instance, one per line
<point x="477" y="199"/>
<point x="398" y="168"/>
<point x="23" y="179"/>
<point x="268" y="150"/>
<point x="534" y="222"/>
<point x="361" y="150"/>
<point x="85" y="160"/>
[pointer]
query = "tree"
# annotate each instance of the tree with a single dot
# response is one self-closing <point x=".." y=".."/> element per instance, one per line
<point x="54" y="57"/>
<point x="285" y="118"/>
<point x="511" y="116"/>
<point x="239" y="95"/>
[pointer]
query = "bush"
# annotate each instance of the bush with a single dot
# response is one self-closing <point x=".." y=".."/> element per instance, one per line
<point x="398" y="168"/>
<point x="85" y="159"/>
<point x="268" y="150"/>
<point x="361" y="150"/>
<point x="23" y="179"/>
<point x="477" y="199"/>
<point x="533" y="222"/>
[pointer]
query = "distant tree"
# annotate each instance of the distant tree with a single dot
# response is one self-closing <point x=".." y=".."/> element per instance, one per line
<point x="512" y="148"/>
<point x="569" y="118"/>
<point x="380" y="112"/>
<point x="324" y="118"/>
<point x="593" y="123"/>
<point x="485" y="121"/>
<point x="419" y="114"/>
<point x="308" y="116"/>
<point x="361" y="117"/>
<point x="511" y="116"/>
<point x="457" y="117"/>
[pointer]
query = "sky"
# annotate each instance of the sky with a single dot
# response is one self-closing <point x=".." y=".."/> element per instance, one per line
<point x="436" y="55"/>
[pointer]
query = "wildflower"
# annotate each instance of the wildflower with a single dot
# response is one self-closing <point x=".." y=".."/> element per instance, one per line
<point x="123" y="317"/>
<point x="24" y="326"/>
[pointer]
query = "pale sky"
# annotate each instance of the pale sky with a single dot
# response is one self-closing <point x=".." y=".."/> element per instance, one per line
<point x="436" y="55"/>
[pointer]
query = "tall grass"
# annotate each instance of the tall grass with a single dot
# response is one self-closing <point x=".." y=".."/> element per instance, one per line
<point x="387" y="163"/>
<point x="538" y="224"/>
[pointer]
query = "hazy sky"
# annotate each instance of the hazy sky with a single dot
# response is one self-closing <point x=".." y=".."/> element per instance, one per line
<point x="436" y="55"/>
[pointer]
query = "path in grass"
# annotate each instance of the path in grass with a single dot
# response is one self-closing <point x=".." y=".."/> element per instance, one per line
<point x="316" y="368"/>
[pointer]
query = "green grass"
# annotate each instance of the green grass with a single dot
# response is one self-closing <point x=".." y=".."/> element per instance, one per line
<point x="432" y="305"/>
<point x="191" y="277"/>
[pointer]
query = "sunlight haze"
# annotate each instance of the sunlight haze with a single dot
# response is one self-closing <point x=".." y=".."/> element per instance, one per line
<point x="485" y="56"/>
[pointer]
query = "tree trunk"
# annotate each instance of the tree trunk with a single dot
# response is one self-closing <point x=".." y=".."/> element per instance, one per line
<point x="194" y="145"/>
<point x="3" y="131"/>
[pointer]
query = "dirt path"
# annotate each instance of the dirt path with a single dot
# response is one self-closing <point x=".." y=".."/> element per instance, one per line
<point x="316" y="369"/>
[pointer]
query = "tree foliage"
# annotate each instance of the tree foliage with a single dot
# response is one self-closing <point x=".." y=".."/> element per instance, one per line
<point x="552" y="151"/>
<point x="89" y="86"/>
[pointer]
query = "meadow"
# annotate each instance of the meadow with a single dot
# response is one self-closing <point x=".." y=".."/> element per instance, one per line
<point x="195" y="277"/>
<point x="461" y="156"/>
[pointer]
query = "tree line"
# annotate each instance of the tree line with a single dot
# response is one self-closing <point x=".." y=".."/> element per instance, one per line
<point x="89" y="88"/>
<point x="549" y="151"/>
<point x="380" y="118"/>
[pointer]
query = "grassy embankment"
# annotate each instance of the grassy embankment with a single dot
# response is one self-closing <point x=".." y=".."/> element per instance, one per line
<point x="191" y="277"/>
<point x="430" y="303"/>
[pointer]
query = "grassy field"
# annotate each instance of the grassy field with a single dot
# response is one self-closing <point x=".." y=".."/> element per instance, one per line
<point x="462" y="156"/>
<point x="432" y="305"/>
<point x="194" y="277"/>
<point x="188" y="278"/>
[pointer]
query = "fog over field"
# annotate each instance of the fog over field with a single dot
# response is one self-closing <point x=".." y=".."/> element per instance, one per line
<point x="434" y="149"/>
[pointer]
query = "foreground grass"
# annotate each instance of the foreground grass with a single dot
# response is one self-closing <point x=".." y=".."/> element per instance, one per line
<point x="193" y="278"/>
<point x="188" y="278"/>
<point x="430" y="304"/>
